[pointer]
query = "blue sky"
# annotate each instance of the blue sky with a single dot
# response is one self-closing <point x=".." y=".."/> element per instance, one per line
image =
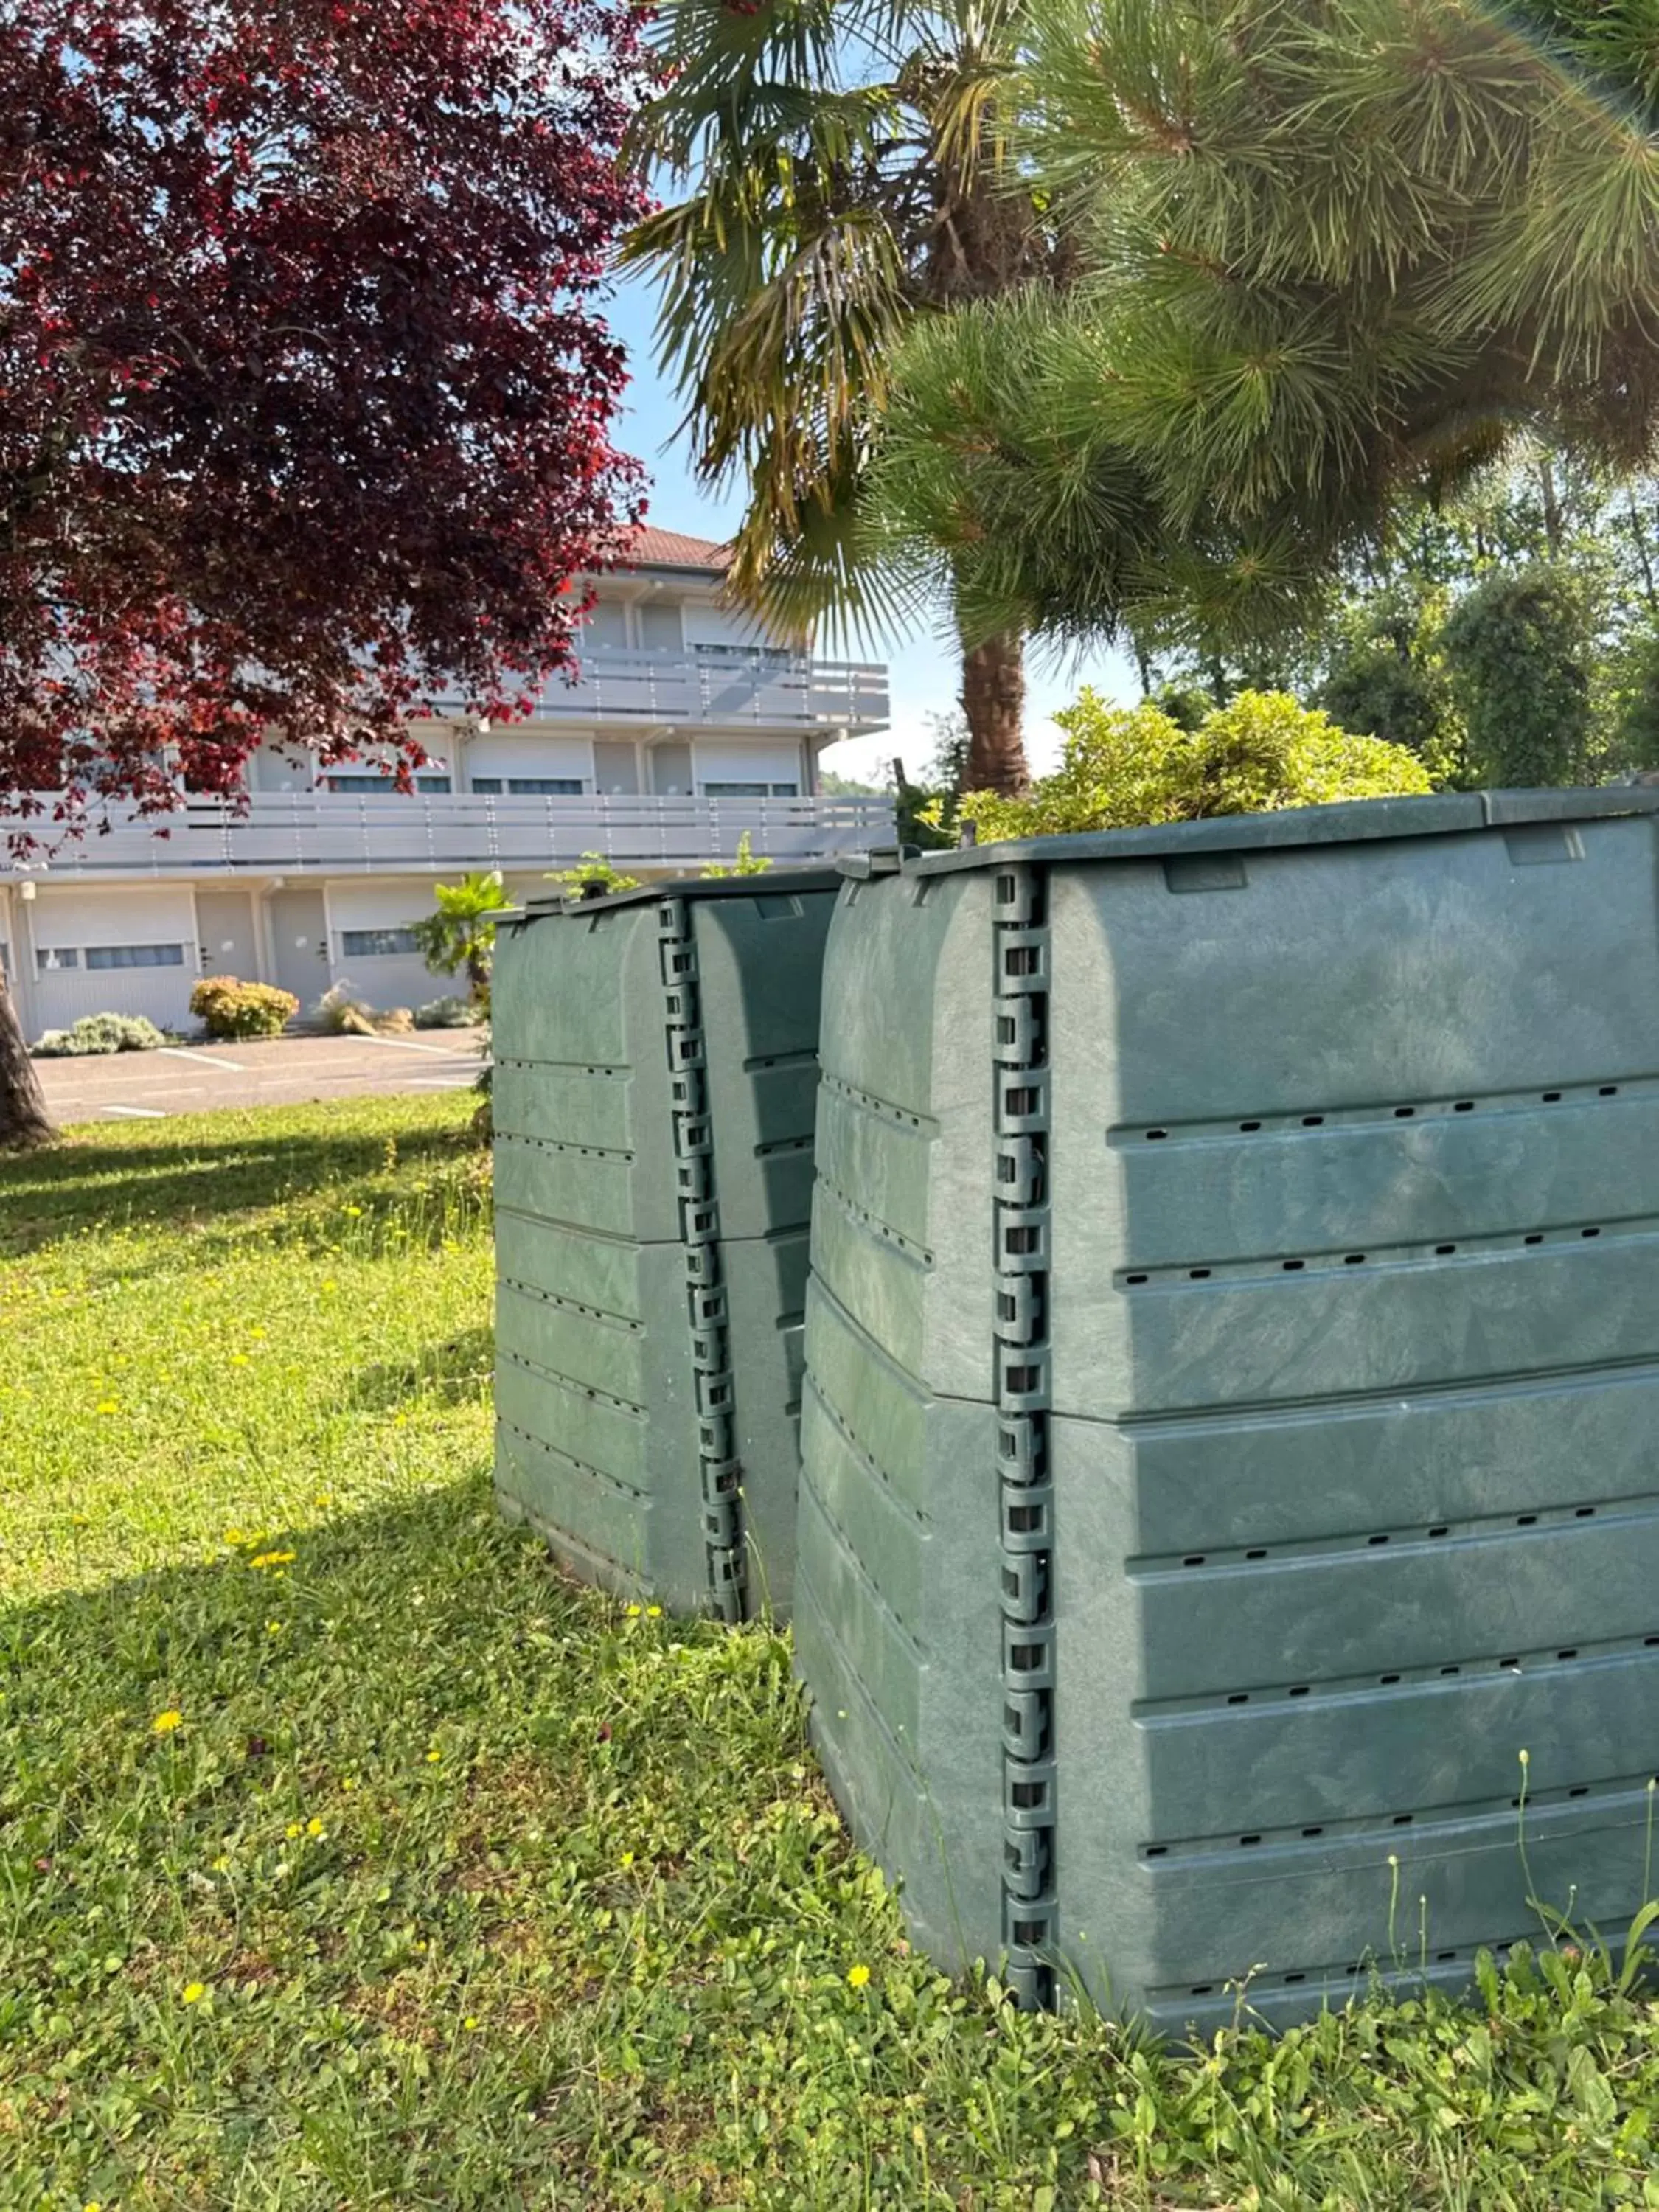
<point x="924" y="676"/>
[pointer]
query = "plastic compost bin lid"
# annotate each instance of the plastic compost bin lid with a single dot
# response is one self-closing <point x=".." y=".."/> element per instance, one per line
<point x="1438" y="815"/>
<point x="765" y="885"/>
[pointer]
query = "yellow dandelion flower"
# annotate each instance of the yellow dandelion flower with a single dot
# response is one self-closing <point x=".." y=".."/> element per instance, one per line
<point x="239" y="1359"/>
<point x="331" y="1284"/>
<point x="470" y="2022"/>
<point x="292" y="1830"/>
<point x="355" y="1211"/>
<point x="858" y="1976"/>
<point x="193" y="1992"/>
<point x="164" y="1724"/>
<point x="324" y="1497"/>
<point x="256" y="1332"/>
<point x="270" y="1559"/>
<point x="222" y="1864"/>
<point x="314" y="1828"/>
<point x="634" y="1611"/>
<point x="108" y="1406"/>
<point x="433" y="1756"/>
<point x="627" y="1858"/>
<point x="233" y="1535"/>
<point x="348" y="1782"/>
<point x="273" y="1628"/>
<point x="653" y="1613"/>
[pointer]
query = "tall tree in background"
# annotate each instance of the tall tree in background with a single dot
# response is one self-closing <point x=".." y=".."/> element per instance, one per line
<point x="1327" y="257"/>
<point x="848" y="176"/>
<point x="304" y="409"/>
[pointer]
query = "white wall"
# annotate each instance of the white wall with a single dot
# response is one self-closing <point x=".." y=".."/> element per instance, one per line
<point x="732" y="761"/>
<point x="707" y="625"/>
<point x="269" y="771"/>
<point x="384" y="979"/>
<point x="525" y="749"/>
<point x="74" y="920"/>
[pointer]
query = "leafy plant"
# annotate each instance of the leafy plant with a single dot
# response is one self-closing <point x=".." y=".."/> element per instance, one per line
<point x="100" y="1033"/>
<point x="446" y="1014"/>
<point x="461" y="933"/>
<point x="227" y="1008"/>
<point x="593" y="876"/>
<point x="1517" y="653"/>
<point x="1122" y="767"/>
<point x="747" y="863"/>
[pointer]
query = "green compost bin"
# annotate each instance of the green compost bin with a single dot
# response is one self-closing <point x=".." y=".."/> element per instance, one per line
<point x="656" y="1065"/>
<point x="1231" y="1435"/>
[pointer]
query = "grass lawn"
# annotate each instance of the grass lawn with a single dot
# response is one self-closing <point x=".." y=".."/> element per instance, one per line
<point x="351" y="1857"/>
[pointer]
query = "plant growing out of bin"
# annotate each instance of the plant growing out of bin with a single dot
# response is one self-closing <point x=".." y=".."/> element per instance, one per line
<point x="747" y="863"/>
<point x="593" y="876"/>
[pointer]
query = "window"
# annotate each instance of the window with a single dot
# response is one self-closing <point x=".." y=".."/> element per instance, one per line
<point x="530" y="786"/>
<point x="373" y="785"/>
<point x="759" y="656"/>
<point x="135" y="956"/>
<point x="752" y="791"/>
<point x="49" y="958"/>
<point x="376" y="944"/>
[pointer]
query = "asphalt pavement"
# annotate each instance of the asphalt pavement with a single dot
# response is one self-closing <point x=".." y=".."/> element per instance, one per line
<point x="150" y="1086"/>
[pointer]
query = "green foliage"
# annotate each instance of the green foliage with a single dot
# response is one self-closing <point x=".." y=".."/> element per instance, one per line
<point x="492" y="1888"/>
<point x="846" y="787"/>
<point x="593" y="876"/>
<point x="461" y="932"/>
<point x="1385" y="677"/>
<point x="227" y="1008"/>
<point x="99" y="1033"/>
<point x="1318" y="262"/>
<point x="746" y="863"/>
<point x="446" y="1014"/>
<point x="1122" y="767"/>
<point x="1516" y="656"/>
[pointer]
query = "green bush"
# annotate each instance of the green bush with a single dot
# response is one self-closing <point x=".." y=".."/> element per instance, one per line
<point x="227" y="1008"/>
<point x="593" y="876"/>
<point x="100" y="1033"/>
<point x="1124" y="766"/>
<point x="451" y="1013"/>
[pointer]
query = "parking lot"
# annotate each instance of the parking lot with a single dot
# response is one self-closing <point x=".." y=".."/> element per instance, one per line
<point x="274" y="1071"/>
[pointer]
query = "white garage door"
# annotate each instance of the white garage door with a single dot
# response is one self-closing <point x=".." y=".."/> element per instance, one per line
<point x="115" y="952"/>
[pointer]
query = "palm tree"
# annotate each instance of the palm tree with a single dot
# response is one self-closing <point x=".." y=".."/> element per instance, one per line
<point x="461" y="933"/>
<point x="1326" y="258"/>
<point x="848" y="176"/>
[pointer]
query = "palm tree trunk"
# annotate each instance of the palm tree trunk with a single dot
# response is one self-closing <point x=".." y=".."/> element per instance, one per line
<point x="993" y="704"/>
<point x="24" y="1121"/>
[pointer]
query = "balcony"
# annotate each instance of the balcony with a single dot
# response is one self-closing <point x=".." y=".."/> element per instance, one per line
<point x="719" y="687"/>
<point x="328" y="833"/>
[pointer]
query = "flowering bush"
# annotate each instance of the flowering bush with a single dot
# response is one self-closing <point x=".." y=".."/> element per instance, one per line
<point x="226" y="1008"/>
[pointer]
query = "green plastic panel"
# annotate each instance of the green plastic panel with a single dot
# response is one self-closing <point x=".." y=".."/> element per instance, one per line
<point x="657" y="1063"/>
<point x="1231" y="1430"/>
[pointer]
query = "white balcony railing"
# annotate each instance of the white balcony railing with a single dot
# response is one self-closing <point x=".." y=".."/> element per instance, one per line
<point x="328" y="833"/>
<point x="726" y="685"/>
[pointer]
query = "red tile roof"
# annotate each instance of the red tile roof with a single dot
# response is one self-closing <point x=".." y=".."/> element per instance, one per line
<point x="671" y="549"/>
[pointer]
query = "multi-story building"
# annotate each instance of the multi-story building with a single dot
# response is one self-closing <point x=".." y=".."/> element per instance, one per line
<point x="687" y="729"/>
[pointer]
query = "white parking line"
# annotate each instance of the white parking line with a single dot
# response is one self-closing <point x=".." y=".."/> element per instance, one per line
<point x="407" y="1044"/>
<point x="202" y="1059"/>
<point x="138" y="1113"/>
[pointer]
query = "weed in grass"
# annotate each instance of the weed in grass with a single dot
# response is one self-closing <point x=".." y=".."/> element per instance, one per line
<point x="350" y="1858"/>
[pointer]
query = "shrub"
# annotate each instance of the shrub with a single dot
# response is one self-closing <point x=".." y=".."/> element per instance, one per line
<point x="451" y="1013"/>
<point x="745" y="863"/>
<point x="341" y="1015"/>
<point x="100" y="1033"/>
<point x="227" y="1008"/>
<point x="1123" y="767"/>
